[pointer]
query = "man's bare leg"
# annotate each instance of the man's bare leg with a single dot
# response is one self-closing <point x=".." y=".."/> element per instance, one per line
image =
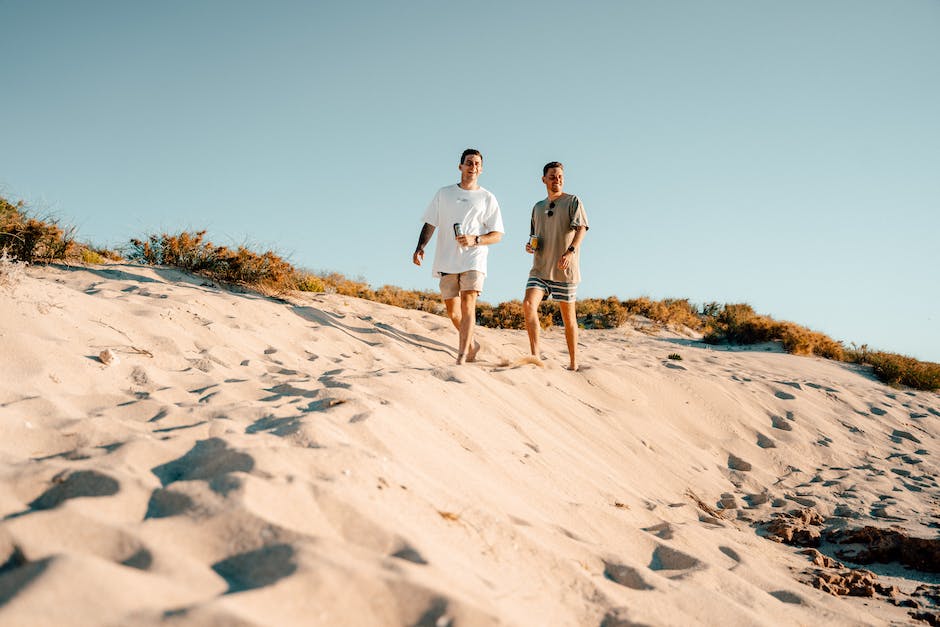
<point x="530" y="308"/>
<point x="570" y="317"/>
<point x="453" y="311"/>
<point x="468" y="315"/>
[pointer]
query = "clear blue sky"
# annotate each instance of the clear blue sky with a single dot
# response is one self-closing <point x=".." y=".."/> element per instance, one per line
<point x="784" y="154"/>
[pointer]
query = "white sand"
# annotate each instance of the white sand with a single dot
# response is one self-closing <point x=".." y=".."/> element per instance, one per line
<point x="248" y="461"/>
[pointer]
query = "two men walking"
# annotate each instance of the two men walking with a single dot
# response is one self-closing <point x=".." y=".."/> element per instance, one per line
<point x="557" y="227"/>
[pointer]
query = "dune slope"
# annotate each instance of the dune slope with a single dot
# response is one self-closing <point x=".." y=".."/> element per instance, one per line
<point x="242" y="460"/>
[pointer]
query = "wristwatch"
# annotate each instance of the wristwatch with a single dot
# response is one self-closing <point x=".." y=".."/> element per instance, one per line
<point x="571" y="249"/>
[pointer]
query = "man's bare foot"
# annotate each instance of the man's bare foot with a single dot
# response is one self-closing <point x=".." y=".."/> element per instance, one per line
<point x="573" y="367"/>
<point x="461" y="358"/>
<point x="472" y="354"/>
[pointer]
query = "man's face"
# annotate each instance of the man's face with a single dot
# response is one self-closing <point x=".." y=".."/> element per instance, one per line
<point x="554" y="180"/>
<point x="471" y="167"/>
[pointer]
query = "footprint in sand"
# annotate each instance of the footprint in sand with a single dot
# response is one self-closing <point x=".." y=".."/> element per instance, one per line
<point x="75" y="485"/>
<point x="207" y="460"/>
<point x="625" y="576"/>
<point x="785" y="596"/>
<point x="755" y="500"/>
<point x="329" y="380"/>
<point x="165" y="503"/>
<point x="280" y="427"/>
<point x="727" y="550"/>
<point x="286" y="389"/>
<point x="786" y="396"/>
<point x="446" y="374"/>
<point x="258" y="568"/>
<point x="673" y="563"/>
<point x="142" y="559"/>
<point x="764" y="442"/>
<point x="409" y="554"/>
<point x="852" y="428"/>
<point x="897" y="435"/>
<point x="662" y="531"/>
<point x="779" y="423"/>
<point x="736" y="463"/>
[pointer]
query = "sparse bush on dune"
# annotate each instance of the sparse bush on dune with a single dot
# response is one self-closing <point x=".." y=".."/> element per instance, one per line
<point x="189" y="251"/>
<point x="596" y="313"/>
<point x="339" y="284"/>
<point x="96" y="255"/>
<point x="740" y="324"/>
<point x="309" y="282"/>
<point x="669" y="312"/>
<point x="409" y="299"/>
<point x="31" y="239"/>
<point x="896" y="369"/>
<point x="506" y="315"/>
<point x="27" y="238"/>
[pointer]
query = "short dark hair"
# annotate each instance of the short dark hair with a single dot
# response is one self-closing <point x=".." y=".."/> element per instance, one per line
<point x="470" y="151"/>
<point x="550" y="165"/>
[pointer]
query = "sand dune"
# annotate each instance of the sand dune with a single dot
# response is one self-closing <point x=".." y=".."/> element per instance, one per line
<point x="319" y="460"/>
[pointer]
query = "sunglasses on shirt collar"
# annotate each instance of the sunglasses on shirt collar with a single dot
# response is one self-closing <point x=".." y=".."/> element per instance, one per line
<point x="551" y="209"/>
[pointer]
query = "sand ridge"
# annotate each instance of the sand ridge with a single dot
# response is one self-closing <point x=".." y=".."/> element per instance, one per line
<point x="319" y="459"/>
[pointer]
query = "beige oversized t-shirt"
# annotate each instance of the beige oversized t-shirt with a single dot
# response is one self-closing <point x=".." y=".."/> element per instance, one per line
<point x="556" y="232"/>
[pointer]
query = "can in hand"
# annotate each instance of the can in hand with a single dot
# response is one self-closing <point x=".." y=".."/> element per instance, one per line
<point x="458" y="230"/>
<point x="534" y="242"/>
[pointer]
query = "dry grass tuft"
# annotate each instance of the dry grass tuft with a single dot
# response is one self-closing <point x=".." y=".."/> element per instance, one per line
<point x="896" y="369"/>
<point x="266" y="272"/>
<point x="11" y="272"/>
<point x="740" y="324"/>
<point x="28" y="238"/>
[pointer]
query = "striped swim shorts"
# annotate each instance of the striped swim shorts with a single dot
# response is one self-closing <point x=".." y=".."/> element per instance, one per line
<point x="554" y="290"/>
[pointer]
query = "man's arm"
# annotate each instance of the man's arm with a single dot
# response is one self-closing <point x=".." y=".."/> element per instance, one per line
<point x="579" y="232"/>
<point x="426" y="232"/>
<point x="493" y="237"/>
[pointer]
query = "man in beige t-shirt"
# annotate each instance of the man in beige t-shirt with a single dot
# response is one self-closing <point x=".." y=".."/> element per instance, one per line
<point x="558" y="225"/>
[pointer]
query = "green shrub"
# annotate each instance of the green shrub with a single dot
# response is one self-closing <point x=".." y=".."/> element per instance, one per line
<point x="91" y="256"/>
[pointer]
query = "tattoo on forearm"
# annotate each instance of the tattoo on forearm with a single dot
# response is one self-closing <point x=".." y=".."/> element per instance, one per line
<point x="426" y="232"/>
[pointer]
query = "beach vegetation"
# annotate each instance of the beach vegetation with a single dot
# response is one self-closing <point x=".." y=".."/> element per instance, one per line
<point x="28" y="237"/>
<point x="895" y="369"/>
<point x="268" y="272"/>
<point x="11" y="271"/>
<point x="738" y="323"/>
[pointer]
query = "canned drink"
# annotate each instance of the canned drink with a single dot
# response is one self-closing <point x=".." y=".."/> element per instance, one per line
<point x="534" y="242"/>
<point x="458" y="230"/>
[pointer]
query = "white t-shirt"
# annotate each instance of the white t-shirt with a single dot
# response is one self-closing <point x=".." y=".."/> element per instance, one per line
<point x="477" y="212"/>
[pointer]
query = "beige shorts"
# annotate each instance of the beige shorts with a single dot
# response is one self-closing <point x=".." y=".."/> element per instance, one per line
<point x="453" y="284"/>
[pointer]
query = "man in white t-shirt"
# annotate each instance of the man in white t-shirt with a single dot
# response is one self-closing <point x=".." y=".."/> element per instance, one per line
<point x="469" y="220"/>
